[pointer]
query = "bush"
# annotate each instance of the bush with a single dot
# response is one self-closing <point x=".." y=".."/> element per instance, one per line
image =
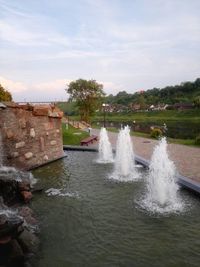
<point x="197" y="140"/>
<point x="156" y="133"/>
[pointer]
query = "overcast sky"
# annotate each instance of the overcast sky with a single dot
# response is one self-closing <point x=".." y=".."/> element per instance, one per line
<point x="125" y="44"/>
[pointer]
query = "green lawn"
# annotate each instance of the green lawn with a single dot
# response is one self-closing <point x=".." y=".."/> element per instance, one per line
<point x="165" y="115"/>
<point x="73" y="136"/>
<point x="188" y="120"/>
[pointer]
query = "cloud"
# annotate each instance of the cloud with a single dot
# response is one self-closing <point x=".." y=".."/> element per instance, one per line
<point x="110" y="87"/>
<point x="51" y="85"/>
<point x="48" y="91"/>
<point x="12" y="86"/>
<point x="126" y="44"/>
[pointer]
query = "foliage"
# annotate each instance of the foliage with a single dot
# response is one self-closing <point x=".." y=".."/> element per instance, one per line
<point x="69" y="108"/>
<point x="197" y="101"/>
<point x="156" y="133"/>
<point x="197" y="140"/>
<point x="72" y="136"/>
<point x="87" y="94"/>
<point x="185" y="92"/>
<point x="4" y="94"/>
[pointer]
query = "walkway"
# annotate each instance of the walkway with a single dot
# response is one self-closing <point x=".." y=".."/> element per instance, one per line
<point x="76" y="124"/>
<point x="186" y="158"/>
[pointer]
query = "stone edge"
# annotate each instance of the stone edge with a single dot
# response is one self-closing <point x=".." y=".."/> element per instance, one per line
<point x="45" y="163"/>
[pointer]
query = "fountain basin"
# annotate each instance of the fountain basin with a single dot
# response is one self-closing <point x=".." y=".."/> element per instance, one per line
<point x="103" y="225"/>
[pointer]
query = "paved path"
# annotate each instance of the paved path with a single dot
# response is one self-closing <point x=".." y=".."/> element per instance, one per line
<point x="186" y="158"/>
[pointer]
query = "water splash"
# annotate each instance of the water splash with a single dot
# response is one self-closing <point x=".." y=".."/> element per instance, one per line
<point x="10" y="173"/>
<point x="125" y="169"/>
<point x="162" y="189"/>
<point x="105" y="148"/>
<point x="59" y="192"/>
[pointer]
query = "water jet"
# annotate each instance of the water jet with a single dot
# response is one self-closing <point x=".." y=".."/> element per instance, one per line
<point x="124" y="169"/>
<point x="162" y="187"/>
<point x="105" y="148"/>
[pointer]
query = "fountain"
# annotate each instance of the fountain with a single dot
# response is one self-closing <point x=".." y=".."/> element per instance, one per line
<point x="105" y="148"/>
<point x="161" y="183"/>
<point x="125" y="169"/>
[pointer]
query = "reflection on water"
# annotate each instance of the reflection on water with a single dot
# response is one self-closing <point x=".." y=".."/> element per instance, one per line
<point x="103" y="225"/>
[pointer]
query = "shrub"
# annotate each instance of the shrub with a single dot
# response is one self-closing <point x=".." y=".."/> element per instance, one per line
<point x="197" y="140"/>
<point x="156" y="133"/>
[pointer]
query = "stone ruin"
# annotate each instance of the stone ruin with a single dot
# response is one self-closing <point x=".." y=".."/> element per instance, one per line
<point x="30" y="135"/>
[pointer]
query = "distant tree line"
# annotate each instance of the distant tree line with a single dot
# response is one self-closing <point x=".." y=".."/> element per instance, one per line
<point x="186" y="92"/>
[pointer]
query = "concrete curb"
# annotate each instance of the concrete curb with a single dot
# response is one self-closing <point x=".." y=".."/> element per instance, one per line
<point x="80" y="148"/>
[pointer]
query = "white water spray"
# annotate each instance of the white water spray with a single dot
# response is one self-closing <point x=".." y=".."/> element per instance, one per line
<point x="161" y="183"/>
<point x="105" y="148"/>
<point x="125" y="169"/>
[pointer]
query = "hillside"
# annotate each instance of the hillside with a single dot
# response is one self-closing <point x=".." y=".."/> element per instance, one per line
<point x="183" y="93"/>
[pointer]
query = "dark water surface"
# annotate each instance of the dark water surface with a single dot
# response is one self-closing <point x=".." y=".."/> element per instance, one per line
<point x="100" y="224"/>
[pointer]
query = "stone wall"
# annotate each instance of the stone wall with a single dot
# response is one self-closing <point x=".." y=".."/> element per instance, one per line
<point x="31" y="135"/>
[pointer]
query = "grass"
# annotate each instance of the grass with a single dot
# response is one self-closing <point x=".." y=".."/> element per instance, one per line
<point x="159" y="116"/>
<point x="73" y="136"/>
<point x="173" y="118"/>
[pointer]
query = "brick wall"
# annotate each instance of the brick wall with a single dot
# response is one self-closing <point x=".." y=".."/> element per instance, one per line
<point x="31" y="135"/>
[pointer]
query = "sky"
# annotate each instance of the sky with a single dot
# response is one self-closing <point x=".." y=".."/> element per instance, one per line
<point x="129" y="45"/>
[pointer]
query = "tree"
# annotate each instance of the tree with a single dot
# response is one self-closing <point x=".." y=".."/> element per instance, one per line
<point x="197" y="101"/>
<point x="87" y="94"/>
<point x="4" y="94"/>
<point x="141" y="101"/>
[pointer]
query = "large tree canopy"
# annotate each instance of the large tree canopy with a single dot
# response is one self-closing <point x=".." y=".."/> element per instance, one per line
<point x="87" y="94"/>
<point x="4" y="94"/>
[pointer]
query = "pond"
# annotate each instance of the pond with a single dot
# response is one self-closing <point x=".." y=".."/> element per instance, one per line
<point x="94" y="221"/>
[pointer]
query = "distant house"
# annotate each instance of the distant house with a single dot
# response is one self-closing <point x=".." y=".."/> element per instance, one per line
<point x="134" y="106"/>
<point x="183" y="106"/>
<point x="158" y="107"/>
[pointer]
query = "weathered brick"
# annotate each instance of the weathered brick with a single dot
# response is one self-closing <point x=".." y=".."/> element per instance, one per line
<point x="48" y="126"/>
<point x="15" y="154"/>
<point x="45" y="157"/>
<point x="55" y="114"/>
<point x="22" y="123"/>
<point x="9" y="133"/>
<point x="28" y="155"/>
<point x="20" y="144"/>
<point x="41" y="110"/>
<point x="42" y="144"/>
<point x="32" y="132"/>
<point x="53" y="142"/>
